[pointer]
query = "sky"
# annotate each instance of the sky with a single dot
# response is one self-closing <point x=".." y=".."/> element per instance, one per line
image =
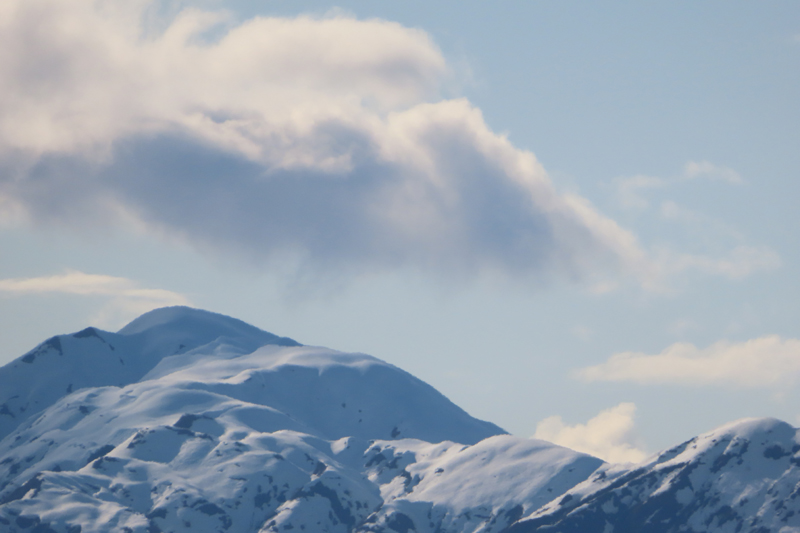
<point x="577" y="221"/>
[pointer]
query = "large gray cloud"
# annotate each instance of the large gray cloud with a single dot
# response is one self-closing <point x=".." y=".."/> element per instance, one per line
<point x="322" y="139"/>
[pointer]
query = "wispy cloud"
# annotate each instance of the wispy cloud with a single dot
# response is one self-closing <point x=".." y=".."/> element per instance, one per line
<point x="609" y="435"/>
<point x="629" y="190"/>
<point x="671" y="211"/>
<point x="12" y="213"/>
<point x="582" y="332"/>
<point x="761" y="362"/>
<point x="708" y="170"/>
<point x="734" y="260"/>
<point x="126" y="299"/>
<point x="738" y="263"/>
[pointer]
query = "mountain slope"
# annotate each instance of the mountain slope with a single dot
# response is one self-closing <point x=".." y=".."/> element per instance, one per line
<point x="741" y="477"/>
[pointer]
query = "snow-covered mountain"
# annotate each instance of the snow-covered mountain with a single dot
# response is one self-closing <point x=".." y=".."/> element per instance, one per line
<point x="186" y="420"/>
<point x="743" y="477"/>
<point x="94" y="358"/>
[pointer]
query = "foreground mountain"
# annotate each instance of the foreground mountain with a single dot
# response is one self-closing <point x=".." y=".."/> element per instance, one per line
<point x="189" y="421"/>
<point x="94" y="358"/>
<point x="186" y="420"/>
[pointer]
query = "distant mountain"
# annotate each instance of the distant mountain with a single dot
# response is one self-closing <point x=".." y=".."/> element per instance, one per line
<point x="743" y="477"/>
<point x="187" y="420"/>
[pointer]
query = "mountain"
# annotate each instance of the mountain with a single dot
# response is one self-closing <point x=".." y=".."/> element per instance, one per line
<point x="187" y="420"/>
<point x="741" y="477"/>
<point x="95" y="358"/>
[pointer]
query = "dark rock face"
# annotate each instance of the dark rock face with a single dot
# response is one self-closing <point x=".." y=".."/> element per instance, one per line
<point x="51" y="345"/>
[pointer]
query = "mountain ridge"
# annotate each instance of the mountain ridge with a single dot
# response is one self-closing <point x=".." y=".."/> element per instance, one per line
<point x="188" y="420"/>
<point x="742" y="476"/>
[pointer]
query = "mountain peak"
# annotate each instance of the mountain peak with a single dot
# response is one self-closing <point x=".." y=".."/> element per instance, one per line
<point x="96" y="358"/>
<point x="191" y="321"/>
<point x="166" y="315"/>
<point x="751" y="428"/>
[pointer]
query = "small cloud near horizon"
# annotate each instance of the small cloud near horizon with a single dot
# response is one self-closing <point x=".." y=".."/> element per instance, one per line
<point x="708" y="170"/>
<point x="608" y="436"/>
<point x="126" y="300"/>
<point x="766" y="362"/>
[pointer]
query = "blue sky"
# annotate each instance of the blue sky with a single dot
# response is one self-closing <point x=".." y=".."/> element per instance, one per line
<point x="576" y="221"/>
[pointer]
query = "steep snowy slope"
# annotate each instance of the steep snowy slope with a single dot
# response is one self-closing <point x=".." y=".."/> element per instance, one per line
<point x="742" y="477"/>
<point x="92" y="357"/>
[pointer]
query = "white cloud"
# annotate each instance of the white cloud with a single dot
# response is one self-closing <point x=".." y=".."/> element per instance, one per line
<point x="320" y="142"/>
<point x="738" y="263"/>
<point x="316" y="138"/>
<point x="609" y="435"/>
<point x="126" y="299"/>
<point x="762" y="362"/>
<point x="72" y="282"/>
<point x="705" y="169"/>
<point x="80" y="75"/>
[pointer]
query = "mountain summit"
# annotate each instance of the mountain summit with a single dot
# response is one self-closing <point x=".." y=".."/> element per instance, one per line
<point x="95" y="358"/>
<point x="186" y="420"/>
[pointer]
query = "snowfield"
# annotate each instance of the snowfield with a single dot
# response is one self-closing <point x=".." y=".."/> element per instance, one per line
<point x="186" y="420"/>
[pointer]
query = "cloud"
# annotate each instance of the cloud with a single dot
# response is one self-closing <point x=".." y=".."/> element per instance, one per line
<point x="12" y="214"/>
<point x="694" y="220"/>
<point x="80" y="75"/>
<point x="608" y="435"/>
<point x="730" y="257"/>
<point x="629" y="190"/>
<point x="317" y="142"/>
<point x="126" y="300"/>
<point x="738" y="263"/>
<point x="705" y="169"/>
<point x="762" y="362"/>
<point x="323" y="140"/>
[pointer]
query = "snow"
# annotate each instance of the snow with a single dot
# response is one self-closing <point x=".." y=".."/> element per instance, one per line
<point x="186" y="420"/>
<point x="741" y="476"/>
<point x="94" y="358"/>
